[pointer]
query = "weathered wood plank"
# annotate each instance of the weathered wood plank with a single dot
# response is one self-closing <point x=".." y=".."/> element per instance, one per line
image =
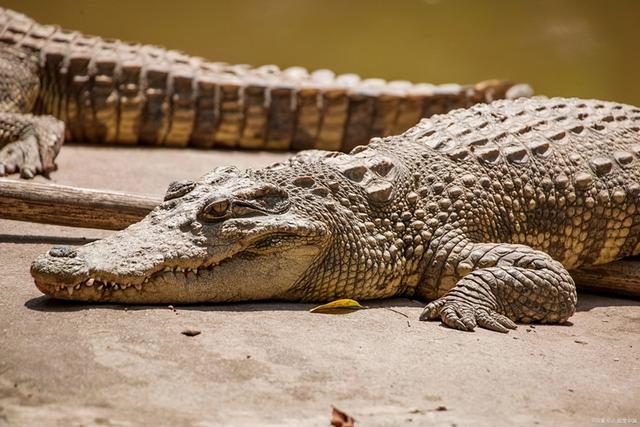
<point x="71" y="206"/>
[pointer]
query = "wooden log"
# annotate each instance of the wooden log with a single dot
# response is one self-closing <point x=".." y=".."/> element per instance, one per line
<point x="619" y="277"/>
<point x="80" y="207"/>
<point x="71" y="206"/>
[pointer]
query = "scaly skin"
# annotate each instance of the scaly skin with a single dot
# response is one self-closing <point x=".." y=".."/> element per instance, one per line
<point x="109" y="91"/>
<point x="482" y="211"/>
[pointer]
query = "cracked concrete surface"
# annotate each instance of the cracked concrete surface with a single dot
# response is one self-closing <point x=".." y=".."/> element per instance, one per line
<point x="276" y="364"/>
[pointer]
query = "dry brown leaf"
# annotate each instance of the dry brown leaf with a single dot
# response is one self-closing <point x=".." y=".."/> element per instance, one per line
<point x="338" y="306"/>
<point x="340" y="419"/>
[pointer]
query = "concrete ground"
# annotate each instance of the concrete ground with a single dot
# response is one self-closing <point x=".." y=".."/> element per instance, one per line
<point x="276" y="364"/>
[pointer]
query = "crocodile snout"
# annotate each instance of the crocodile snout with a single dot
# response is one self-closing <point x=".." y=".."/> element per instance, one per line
<point x="61" y="265"/>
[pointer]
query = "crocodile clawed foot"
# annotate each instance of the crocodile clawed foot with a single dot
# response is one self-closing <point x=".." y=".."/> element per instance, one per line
<point x="31" y="144"/>
<point x="21" y="156"/>
<point x="465" y="316"/>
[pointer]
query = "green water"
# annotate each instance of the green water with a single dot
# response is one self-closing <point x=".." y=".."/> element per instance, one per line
<point x="586" y="48"/>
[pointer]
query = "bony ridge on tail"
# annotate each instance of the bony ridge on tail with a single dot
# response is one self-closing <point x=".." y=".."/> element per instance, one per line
<point x="58" y="85"/>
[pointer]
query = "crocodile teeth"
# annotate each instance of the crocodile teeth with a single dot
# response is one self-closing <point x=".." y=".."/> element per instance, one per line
<point x="77" y="287"/>
<point x="138" y="286"/>
<point x="90" y="282"/>
<point x="70" y="290"/>
<point x="167" y="269"/>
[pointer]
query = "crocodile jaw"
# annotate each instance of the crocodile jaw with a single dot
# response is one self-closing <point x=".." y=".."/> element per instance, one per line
<point x="133" y="266"/>
<point x="241" y="277"/>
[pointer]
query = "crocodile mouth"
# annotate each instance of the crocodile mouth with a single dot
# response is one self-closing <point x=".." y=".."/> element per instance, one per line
<point x="103" y="285"/>
<point x="222" y="278"/>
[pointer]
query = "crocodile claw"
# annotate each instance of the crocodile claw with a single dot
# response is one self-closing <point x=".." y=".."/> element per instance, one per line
<point x="21" y="156"/>
<point x="465" y="316"/>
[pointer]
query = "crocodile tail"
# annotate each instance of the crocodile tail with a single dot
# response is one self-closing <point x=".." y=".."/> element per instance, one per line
<point x="112" y="91"/>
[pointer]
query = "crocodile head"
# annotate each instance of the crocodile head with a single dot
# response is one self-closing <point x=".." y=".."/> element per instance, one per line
<point x="228" y="237"/>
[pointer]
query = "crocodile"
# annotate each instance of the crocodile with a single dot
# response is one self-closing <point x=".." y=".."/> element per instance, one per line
<point x="481" y="211"/>
<point x="58" y="85"/>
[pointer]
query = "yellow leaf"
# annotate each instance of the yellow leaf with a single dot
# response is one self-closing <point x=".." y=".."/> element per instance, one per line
<point x="340" y="419"/>
<point x="338" y="306"/>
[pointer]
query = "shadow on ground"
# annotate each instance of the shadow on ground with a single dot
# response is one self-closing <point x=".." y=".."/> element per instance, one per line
<point x="47" y="304"/>
<point x="586" y="302"/>
<point x="45" y="240"/>
<point x="589" y="301"/>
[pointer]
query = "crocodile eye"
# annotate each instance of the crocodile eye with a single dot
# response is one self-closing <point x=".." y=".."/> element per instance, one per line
<point x="216" y="210"/>
<point x="178" y="189"/>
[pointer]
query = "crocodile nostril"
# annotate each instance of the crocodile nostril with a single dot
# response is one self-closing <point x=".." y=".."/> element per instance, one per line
<point x="63" y="252"/>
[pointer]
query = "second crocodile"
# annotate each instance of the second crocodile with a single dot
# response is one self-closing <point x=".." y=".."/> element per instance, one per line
<point x="109" y="91"/>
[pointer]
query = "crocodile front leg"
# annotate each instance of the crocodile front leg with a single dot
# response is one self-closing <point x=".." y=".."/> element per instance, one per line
<point x="29" y="144"/>
<point x="499" y="284"/>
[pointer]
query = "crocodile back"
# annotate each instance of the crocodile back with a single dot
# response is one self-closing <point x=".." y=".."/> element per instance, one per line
<point x="560" y="175"/>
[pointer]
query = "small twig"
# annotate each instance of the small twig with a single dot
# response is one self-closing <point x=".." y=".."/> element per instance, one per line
<point x="396" y="311"/>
